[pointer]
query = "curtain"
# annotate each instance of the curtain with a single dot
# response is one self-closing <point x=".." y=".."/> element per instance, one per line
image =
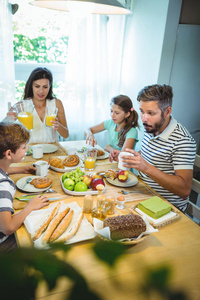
<point x="7" y="77"/>
<point x="93" y="72"/>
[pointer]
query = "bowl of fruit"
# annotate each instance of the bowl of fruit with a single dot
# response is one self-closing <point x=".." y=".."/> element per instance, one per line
<point x="77" y="183"/>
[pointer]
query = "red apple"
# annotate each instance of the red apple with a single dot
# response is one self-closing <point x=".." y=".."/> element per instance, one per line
<point x="122" y="175"/>
<point x="95" y="182"/>
<point x="87" y="179"/>
<point x="94" y="176"/>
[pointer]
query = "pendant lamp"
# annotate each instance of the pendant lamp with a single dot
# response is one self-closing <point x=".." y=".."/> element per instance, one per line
<point x="104" y="7"/>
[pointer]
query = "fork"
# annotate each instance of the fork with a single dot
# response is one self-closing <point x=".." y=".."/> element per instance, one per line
<point x="28" y="180"/>
<point x="126" y="193"/>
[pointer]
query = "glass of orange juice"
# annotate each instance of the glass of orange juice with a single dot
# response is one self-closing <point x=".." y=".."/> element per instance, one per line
<point x="25" y="113"/>
<point x="50" y="115"/>
<point x="90" y="156"/>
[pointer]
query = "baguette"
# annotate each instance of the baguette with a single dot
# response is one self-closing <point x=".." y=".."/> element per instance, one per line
<point x="52" y="226"/>
<point x="72" y="230"/>
<point x="44" y="226"/>
<point x="60" y="229"/>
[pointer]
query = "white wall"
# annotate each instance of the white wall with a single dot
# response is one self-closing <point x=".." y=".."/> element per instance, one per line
<point x="159" y="50"/>
<point x="185" y="78"/>
<point x="143" y="47"/>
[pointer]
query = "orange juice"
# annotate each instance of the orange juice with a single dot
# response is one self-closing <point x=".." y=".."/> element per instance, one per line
<point x="26" y="118"/>
<point x="89" y="163"/>
<point x="50" y="118"/>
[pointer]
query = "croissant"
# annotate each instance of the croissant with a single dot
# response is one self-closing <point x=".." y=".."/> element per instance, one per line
<point x="112" y="174"/>
<point x="100" y="152"/>
<point x="56" y="162"/>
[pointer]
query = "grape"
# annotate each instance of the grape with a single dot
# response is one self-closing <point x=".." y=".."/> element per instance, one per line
<point x="76" y="175"/>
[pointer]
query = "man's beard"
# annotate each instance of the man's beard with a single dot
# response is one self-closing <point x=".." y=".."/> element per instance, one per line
<point x="156" y="127"/>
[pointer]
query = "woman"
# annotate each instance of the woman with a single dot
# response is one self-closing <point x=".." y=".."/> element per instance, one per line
<point x="39" y="92"/>
<point x="122" y="127"/>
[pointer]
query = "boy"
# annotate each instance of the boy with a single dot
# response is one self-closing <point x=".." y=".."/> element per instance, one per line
<point x="13" y="140"/>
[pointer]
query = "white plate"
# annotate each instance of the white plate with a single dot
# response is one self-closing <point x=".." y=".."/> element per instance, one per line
<point x="66" y="169"/>
<point x="132" y="180"/>
<point x="29" y="187"/>
<point x="88" y="192"/>
<point x="48" y="148"/>
<point x="106" y="154"/>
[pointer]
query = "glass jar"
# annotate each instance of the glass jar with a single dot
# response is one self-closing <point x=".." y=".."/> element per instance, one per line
<point x="87" y="204"/>
<point x="110" y="204"/>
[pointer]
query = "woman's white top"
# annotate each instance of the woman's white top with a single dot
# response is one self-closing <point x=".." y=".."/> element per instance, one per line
<point x="40" y="132"/>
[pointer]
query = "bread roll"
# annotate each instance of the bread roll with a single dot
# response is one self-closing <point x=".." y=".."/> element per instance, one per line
<point x="74" y="226"/>
<point x="52" y="226"/>
<point x="61" y="227"/>
<point x="46" y="222"/>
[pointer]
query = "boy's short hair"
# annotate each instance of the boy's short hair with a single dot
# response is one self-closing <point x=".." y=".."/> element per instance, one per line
<point x="12" y="136"/>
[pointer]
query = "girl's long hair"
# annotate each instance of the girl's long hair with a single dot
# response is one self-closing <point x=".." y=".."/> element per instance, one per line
<point x="38" y="73"/>
<point x="125" y="103"/>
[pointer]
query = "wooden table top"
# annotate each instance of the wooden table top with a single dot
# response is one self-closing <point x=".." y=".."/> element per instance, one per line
<point x="176" y="245"/>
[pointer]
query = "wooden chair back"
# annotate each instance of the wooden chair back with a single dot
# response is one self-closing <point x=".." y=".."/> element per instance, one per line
<point x="193" y="210"/>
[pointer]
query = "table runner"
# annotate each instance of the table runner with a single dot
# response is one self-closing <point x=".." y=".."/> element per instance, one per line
<point x="60" y="152"/>
<point x="56" y="185"/>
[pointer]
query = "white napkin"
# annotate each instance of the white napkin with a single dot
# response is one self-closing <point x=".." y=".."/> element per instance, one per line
<point x="36" y="218"/>
<point x="105" y="231"/>
<point x="166" y="217"/>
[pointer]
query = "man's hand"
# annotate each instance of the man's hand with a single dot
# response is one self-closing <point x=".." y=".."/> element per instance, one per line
<point x="136" y="162"/>
<point x="114" y="155"/>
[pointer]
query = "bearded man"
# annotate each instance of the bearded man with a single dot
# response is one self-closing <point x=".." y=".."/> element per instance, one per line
<point x="168" y="150"/>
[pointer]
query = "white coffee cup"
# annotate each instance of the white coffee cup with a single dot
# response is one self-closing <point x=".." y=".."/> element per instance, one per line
<point x="41" y="168"/>
<point x="120" y="162"/>
<point x="37" y="151"/>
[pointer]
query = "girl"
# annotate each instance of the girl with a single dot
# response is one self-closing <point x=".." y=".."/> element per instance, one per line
<point x="39" y="92"/>
<point x="122" y="127"/>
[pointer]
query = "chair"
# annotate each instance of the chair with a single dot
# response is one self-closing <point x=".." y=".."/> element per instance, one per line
<point x="193" y="210"/>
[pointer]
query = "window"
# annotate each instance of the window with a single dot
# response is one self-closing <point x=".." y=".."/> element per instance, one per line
<point x="40" y="37"/>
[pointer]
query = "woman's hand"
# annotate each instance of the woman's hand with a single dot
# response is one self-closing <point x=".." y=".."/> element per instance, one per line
<point x="12" y="114"/>
<point x="55" y="123"/>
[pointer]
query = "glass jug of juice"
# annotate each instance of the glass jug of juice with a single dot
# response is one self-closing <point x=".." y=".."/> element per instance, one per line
<point x="25" y="113"/>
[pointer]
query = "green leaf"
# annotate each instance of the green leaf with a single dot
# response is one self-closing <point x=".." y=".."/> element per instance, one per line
<point x="109" y="251"/>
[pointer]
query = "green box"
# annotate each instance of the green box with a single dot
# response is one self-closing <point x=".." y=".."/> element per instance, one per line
<point x="155" y="207"/>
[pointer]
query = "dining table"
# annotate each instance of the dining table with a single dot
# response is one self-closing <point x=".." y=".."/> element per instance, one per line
<point x="175" y="244"/>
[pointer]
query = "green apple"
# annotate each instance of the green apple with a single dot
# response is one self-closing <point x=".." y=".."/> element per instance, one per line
<point x="80" y="186"/>
<point x="69" y="184"/>
<point x="64" y="176"/>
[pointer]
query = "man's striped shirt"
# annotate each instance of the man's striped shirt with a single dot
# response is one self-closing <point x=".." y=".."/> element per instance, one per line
<point x="174" y="149"/>
<point x="7" y="191"/>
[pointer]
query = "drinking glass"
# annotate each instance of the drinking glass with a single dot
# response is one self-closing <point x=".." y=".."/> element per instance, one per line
<point x="50" y="115"/>
<point x="90" y="156"/>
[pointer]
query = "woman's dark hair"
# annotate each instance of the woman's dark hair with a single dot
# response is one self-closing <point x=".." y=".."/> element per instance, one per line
<point x="125" y="103"/>
<point x="38" y="73"/>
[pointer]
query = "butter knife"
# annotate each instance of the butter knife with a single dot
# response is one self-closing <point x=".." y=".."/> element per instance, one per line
<point x="50" y="199"/>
